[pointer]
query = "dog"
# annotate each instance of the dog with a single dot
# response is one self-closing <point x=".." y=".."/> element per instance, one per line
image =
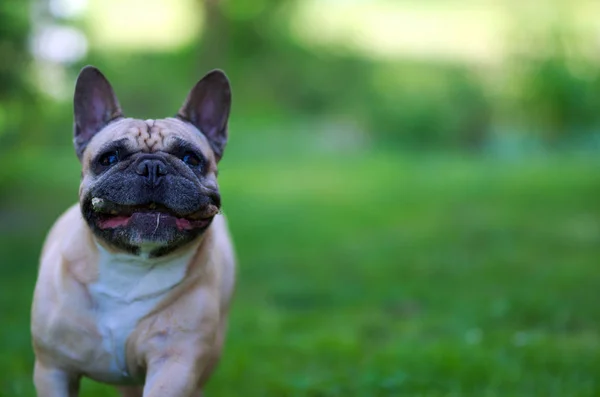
<point x="135" y="281"/>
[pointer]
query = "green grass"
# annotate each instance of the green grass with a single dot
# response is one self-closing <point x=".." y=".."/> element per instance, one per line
<point x="374" y="275"/>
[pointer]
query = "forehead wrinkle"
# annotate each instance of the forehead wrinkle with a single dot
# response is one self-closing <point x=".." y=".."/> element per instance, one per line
<point x="174" y="128"/>
<point x="149" y="138"/>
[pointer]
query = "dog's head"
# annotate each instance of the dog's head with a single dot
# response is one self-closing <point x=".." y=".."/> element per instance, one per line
<point x="150" y="185"/>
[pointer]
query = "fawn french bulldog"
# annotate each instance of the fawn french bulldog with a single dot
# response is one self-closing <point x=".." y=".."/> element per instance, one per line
<point x="135" y="280"/>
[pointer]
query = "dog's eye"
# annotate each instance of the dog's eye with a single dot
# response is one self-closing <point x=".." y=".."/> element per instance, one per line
<point x="109" y="159"/>
<point x="191" y="159"/>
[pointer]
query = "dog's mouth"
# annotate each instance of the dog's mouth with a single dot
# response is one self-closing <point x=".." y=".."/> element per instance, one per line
<point x="111" y="215"/>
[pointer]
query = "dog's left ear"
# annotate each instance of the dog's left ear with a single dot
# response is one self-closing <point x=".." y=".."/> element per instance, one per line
<point x="207" y="108"/>
<point x="95" y="105"/>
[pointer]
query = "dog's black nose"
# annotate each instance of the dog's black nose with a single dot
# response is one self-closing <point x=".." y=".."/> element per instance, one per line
<point x="152" y="169"/>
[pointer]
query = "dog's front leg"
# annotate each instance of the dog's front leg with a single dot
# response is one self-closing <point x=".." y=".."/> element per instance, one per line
<point x="173" y="377"/>
<point x="54" y="382"/>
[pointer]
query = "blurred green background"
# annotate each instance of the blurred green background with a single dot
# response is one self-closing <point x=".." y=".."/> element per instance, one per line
<point x="413" y="186"/>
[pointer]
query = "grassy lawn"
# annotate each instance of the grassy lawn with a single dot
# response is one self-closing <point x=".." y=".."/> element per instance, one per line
<point x="374" y="275"/>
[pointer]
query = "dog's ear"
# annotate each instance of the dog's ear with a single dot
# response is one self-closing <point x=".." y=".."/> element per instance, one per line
<point x="94" y="105"/>
<point x="207" y="108"/>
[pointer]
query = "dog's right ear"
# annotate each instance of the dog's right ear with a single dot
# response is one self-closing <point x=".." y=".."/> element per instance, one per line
<point x="94" y="104"/>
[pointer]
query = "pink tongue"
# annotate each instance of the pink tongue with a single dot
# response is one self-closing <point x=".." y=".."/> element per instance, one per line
<point x="114" y="222"/>
<point x="183" y="224"/>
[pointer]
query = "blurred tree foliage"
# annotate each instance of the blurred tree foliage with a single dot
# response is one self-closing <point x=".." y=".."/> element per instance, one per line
<point x="558" y="87"/>
<point x="15" y="92"/>
<point x="277" y="78"/>
<point x="429" y="106"/>
<point x="417" y="105"/>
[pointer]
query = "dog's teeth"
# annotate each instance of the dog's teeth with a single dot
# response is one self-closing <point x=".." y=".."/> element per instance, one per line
<point x="152" y="206"/>
<point x="113" y="212"/>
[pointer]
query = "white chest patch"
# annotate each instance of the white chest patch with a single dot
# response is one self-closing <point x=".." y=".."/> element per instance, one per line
<point x="127" y="289"/>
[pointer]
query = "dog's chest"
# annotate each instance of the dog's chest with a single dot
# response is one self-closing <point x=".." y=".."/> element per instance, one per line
<point x="127" y="290"/>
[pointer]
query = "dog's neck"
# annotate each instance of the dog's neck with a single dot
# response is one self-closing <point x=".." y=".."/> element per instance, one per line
<point x="128" y="277"/>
